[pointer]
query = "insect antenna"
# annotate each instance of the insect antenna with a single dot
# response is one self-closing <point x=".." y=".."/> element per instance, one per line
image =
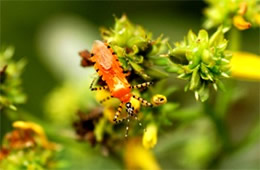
<point x="139" y="122"/>
<point x="130" y="111"/>
<point x="127" y="126"/>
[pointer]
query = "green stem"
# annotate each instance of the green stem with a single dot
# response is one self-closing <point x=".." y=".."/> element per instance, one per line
<point x="221" y="132"/>
<point x="220" y="126"/>
<point x="235" y="39"/>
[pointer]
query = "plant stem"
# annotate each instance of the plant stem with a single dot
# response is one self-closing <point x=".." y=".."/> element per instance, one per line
<point x="221" y="132"/>
<point x="235" y="39"/>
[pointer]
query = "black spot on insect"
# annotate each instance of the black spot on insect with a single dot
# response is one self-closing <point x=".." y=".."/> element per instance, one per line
<point x="91" y="54"/>
<point x="114" y="54"/>
<point x="108" y="47"/>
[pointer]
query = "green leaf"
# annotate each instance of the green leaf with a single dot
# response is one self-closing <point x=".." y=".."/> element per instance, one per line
<point x="191" y="37"/>
<point x="99" y="129"/>
<point x="222" y="45"/>
<point x="139" y="70"/>
<point x="161" y="61"/>
<point x="216" y="37"/>
<point x="220" y="85"/>
<point x="178" y="52"/>
<point x="195" y="79"/>
<point x="206" y="57"/>
<point x="156" y="73"/>
<point x="196" y="58"/>
<point x="173" y="68"/>
<point x="203" y="93"/>
<point x="203" y="36"/>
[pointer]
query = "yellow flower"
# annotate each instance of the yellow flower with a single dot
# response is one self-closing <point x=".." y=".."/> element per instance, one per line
<point x="102" y="96"/>
<point x="37" y="129"/>
<point x="109" y="113"/>
<point x="137" y="157"/>
<point x="257" y="18"/>
<point x="245" y="65"/>
<point x="136" y="104"/>
<point x="150" y="136"/>
<point x="158" y="99"/>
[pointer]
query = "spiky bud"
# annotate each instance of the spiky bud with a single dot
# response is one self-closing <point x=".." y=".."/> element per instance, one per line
<point x="206" y="61"/>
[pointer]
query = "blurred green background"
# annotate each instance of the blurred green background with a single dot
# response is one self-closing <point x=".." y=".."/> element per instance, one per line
<point x="50" y="35"/>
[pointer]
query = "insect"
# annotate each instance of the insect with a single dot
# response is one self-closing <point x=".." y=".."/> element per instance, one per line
<point x="108" y="67"/>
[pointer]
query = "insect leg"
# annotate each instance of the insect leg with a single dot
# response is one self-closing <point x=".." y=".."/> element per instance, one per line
<point x="143" y="101"/>
<point x="138" y="86"/>
<point x="86" y="58"/>
<point x="139" y="122"/>
<point x="127" y="73"/>
<point x="119" y="110"/>
<point x="97" y="88"/>
<point x="105" y="99"/>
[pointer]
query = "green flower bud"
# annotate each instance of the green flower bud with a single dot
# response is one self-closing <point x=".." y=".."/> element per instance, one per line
<point x="10" y="79"/>
<point x="191" y="37"/>
<point x="207" y="57"/>
<point x="195" y="79"/>
<point x="203" y="36"/>
<point x="207" y="61"/>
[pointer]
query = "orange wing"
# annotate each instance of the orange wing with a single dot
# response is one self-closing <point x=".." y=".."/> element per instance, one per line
<point x="110" y="69"/>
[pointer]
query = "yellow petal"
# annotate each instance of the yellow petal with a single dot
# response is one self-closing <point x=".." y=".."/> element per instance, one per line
<point x="109" y="113"/>
<point x="245" y="65"/>
<point x="103" y="94"/>
<point x="242" y="8"/>
<point x="37" y="129"/>
<point x="29" y="125"/>
<point x="241" y="23"/>
<point x="159" y="99"/>
<point x="257" y="18"/>
<point x="137" y="157"/>
<point x="150" y="136"/>
<point x="136" y="104"/>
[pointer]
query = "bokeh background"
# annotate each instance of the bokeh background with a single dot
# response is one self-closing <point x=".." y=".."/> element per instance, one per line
<point x="50" y="35"/>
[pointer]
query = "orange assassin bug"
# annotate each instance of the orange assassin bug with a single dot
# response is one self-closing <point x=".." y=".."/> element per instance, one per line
<point x="108" y="67"/>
